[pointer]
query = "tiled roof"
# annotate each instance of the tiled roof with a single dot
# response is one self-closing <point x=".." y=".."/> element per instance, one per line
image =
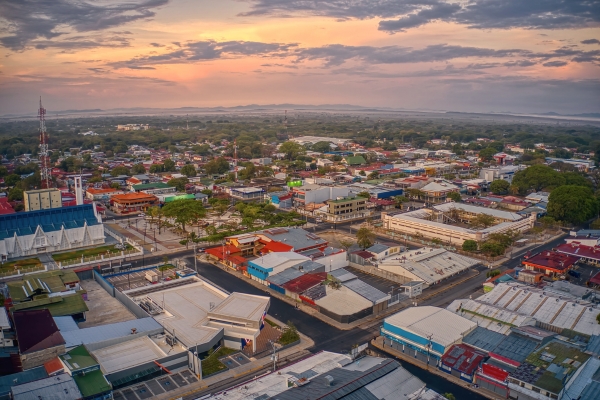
<point x="36" y="330"/>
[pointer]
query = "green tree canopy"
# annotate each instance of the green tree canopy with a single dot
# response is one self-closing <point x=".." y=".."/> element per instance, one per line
<point x="169" y="165"/>
<point x="469" y="245"/>
<point x="321" y="147"/>
<point x="138" y="169"/>
<point x="487" y="154"/>
<point x="499" y="186"/>
<point x="179" y="183"/>
<point x="216" y="166"/>
<point x="482" y="221"/>
<point x="292" y="150"/>
<point x="576" y="179"/>
<point x="15" y="194"/>
<point x="537" y="177"/>
<point x="120" y="170"/>
<point x="454" y="196"/>
<point x="157" y="168"/>
<point x="184" y="212"/>
<point x="12" y="179"/>
<point x="573" y="204"/>
<point x="365" y="237"/>
<point x="188" y="170"/>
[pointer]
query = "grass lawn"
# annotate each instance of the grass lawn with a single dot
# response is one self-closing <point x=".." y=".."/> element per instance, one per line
<point x="165" y="267"/>
<point x="94" y="251"/>
<point x="211" y="364"/>
<point x="27" y="263"/>
<point x="273" y="324"/>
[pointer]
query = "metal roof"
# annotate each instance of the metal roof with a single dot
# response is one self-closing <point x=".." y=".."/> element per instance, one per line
<point x="378" y="248"/>
<point x="367" y="291"/>
<point x="53" y="219"/>
<point x="594" y="345"/>
<point x="66" y="324"/>
<point x="48" y="388"/>
<point x="284" y="276"/>
<point x="342" y="275"/>
<point x="516" y="347"/>
<point x="8" y="381"/>
<point x="484" y="339"/>
<point x="109" y="332"/>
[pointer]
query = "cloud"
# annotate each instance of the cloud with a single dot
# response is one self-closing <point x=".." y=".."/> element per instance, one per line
<point x="519" y="63"/>
<point x="26" y="21"/>
<point x="555" y="64"/>
<point x="590" y="41"/>
<point x="209" y="50"/>
<point x="399" y="15"/>
<point x="157" y="45"/>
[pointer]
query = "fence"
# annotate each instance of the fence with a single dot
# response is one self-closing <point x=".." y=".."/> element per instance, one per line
<point x="99" y="258"/>
<point x="23" y="271"/>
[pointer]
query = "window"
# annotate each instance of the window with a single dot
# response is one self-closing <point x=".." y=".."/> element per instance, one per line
<point x="40" y="242"/>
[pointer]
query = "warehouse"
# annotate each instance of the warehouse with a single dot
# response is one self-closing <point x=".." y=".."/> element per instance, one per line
<point x="425" y="332"/>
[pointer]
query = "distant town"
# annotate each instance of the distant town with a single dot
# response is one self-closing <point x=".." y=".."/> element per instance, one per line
<point x="298" y="256"/>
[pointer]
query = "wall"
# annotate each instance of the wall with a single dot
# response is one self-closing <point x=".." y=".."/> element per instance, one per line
<point x="131" y="305"/>
<point x="38" y="358"/>
<point x="104" y="283"/>
<point x="334" y="261"/>
<point x="127" y="377"/>
<point x="382" y="273"/>
<point x="326" y="193"/>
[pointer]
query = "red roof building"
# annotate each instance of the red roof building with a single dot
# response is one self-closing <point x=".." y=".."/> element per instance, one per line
<point x="590" y="254"/>
<point x="304" y="282"/>
<point x="5" y="207"/>
<point x="229" y="255"/>
<point x="462" y="359"/>
<point x="550" y="263"/>
<point x="493" y="378"/>
<point x="275" y="247"/>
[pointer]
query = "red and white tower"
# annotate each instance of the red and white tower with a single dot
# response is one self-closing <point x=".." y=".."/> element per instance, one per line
<point x="44" y="159"/>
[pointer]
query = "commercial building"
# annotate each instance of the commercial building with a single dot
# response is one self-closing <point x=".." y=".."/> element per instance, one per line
<point x="86" y="372"/>
<point x="310" y="140"/>
<point x="417" y="331"/>
<point x="103" y="194"/>
<point x="514" y="304"/>
<point x="344" y="209"/>
<point x="42" y="199"/>
<point x="132" y="202"/>
<point x="437" y="191"/>
<point x="55" y="229"/>
<point x="154" y="188"/>
<point x="447" y="222"/>
<point x="550" y="263"/>
<point x="462" y="362"/>
<point x="587" y="254"/>
<point x="248" y="193"/>
<point x="52" y="387"/>
<point x="38" y="337"/>
<point x="335" y="376"/>
<point x="133" y="127"/>
<point x="427" y="265"/>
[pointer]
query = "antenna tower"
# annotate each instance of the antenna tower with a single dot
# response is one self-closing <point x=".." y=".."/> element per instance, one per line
<point x="285" y="122"/>
<point x="44" y="159"/>
<point x="235" y="158"/>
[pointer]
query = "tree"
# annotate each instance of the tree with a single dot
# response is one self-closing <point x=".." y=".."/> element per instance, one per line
<point x="292" y="150"/>
<point x="487" y="154"/>
<point x="562" y="153"/>
<point x="492" y="249"/>
<point x="138" y="169"/>
<point x="536" y="178"/>
<point x="216" y="166"/>
<point x="573" y="204"/>
<point x="365" y="237"/>
<point x="449" y="396"/>
<point x="115" y="185"/>
<point x="373" y="175"/>
<point x="364" y="194"/>
<point x="321" y="147"/>
<point x="188" y="170"/>
<point x="500" y="186"/>
<point x="169" y="165"/>
<point x="454" y="196"/>
<point x="576" y="179"/>
<point x="483" y="221"/>
<point x="346" y="244"/>
<point x="157" y="168"/>
<point x="15" y="194"/>
<point x="3" y="171"/>
<point x="179" y="183"/>
<point x="120" y="170"/>
<point x="207" y="192"/>
<point x="184" y="212"/>
<point x="469" y="245"/>
<point x="12" y="179"/>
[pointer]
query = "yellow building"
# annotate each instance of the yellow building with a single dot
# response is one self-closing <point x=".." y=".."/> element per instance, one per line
<point x="42" y="199"/>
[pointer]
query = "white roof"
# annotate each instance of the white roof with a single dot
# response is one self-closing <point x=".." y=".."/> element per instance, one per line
<point x="427" y="320"/>
<point x="279" y="259"/>
<point x="4" y="322"/>
<point x="438" y="187"/>
<point x="343" y="301"/>
<point x="128" y="354"/>
<point x="479" y="210"/>
<point x="241" y="305"/>
<point x="96" y="336"/>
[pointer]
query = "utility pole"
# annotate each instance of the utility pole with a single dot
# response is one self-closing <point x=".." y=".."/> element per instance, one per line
<point x="274" y="356"/>
<point x="195" y="259"/>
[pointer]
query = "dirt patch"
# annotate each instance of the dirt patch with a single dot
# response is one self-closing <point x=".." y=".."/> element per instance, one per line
<point x="334" y="238"/>
<point x="104" y="309"/>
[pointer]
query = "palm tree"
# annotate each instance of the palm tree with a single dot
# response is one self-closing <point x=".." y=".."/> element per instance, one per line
<point x="365" y="237"/>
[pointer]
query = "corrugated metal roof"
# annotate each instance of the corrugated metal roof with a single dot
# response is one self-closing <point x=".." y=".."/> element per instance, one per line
<point x="516" y="347"/>
<point x="48" y="388"/>
<point x="342" y="275"/>
<point x="367" y="291"/>
<point x="378" y="248"/>
<point x="594" y="345"/>
<point x="8" y="381"/>
<point x="284" y="276"/>
<point x="484" y="339"/>
<point x="108" y="332"/>
<point x="66" y="324"/>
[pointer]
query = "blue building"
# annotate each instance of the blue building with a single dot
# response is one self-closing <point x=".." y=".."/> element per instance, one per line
<point x="425" y="333"/>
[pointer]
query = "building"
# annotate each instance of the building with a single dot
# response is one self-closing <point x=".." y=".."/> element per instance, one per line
<point x="261" y="268"/>
<point x="154" y="188"/>
<point x="51" y="230"/>
<point x="440" y="222"/>
<point x="550" y="263"/>
<point x="7" y="382"/>
<point x="505" y="172"/>
<point x="56" y="291"/>
<point x="327" y="375"/>
<point x="85" y="370"/>
<point x="60" y="386"/>
<point x="416" y="331"/>
<point x="310" y="140"/>
<point x="247" y="194"/>
<point x="428" y="265"/>
<point x="582" y="165"/>
<point x="133" y="127"/>
<point x="587" y="254"/>
<point x="102" y="194"/>
<point x="462" y="362"/>
<point x="5" y="207"/>
<point x="344" y="209"/>
<point x="38" y="337"/>
<point x="132" y="202"/>
<point x="437" y="192"/>
<point x="42" y="199"/>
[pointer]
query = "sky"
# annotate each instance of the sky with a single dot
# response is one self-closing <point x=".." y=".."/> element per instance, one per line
<point x="530" y="56"/>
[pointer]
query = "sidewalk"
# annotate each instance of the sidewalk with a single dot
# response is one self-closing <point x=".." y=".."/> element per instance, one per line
<point x="378" y="343"/>
<point x="285" y="356"/>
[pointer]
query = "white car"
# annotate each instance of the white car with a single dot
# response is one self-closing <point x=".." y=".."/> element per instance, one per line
<point x="142" y="215"/>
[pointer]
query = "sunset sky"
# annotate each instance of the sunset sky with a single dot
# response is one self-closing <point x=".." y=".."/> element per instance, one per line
<point x="458" y="55"/>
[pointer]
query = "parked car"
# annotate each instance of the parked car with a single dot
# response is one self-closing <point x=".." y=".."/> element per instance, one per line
<point x="574" y="273"/>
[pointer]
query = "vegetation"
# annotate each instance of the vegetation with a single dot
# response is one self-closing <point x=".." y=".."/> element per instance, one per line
<point x="572" y="204"/>
<point x="290" y="334"/>
<point x="469" y="245"/>
<point x="184" y="212"/>
<point x="27" y="263"/>
<point x="499" y="186"/>
<point x="536" y="178"/>
<point x="109" y="250"/>
<point x="482" y="221"/>
<point x="365" y="237"/>
<point x="492" y="273"/>
<point x="211" y="363"/>
<point x="454" y="196"/>
<point x="449" y="396"/>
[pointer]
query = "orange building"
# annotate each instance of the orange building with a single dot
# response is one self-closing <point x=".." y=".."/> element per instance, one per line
<point x="132" y="202"/>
